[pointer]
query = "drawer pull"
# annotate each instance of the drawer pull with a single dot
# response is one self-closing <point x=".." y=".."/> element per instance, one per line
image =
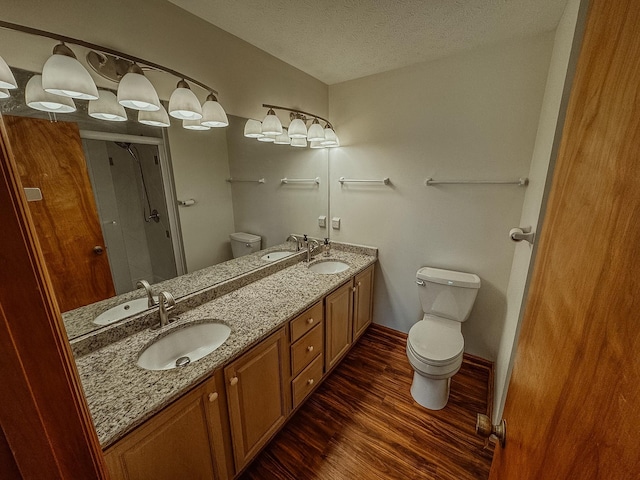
<point x="310" y="381"/>
<point x="233" y="381"/>
<point x="309" y="321"/>
<point x="213" y="396"/>
<point x="310" y="348"/>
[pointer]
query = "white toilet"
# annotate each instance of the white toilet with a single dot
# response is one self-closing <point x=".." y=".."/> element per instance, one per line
<point x="244" y="243"/>
<point x="435" y="344"/>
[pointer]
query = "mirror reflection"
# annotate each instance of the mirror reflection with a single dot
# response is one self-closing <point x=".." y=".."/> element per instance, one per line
<point x="158" y="202"/>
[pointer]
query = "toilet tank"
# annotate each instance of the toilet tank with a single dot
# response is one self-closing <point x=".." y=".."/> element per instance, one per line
<point x="244" y="243"/>
<point x="447" y="294"/>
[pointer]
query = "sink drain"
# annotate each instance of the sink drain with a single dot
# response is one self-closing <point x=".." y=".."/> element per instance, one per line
<point x="183" y="361"/>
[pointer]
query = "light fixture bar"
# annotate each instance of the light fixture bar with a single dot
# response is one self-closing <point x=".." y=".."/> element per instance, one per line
<point x="311" y="115"/>
<point x="110" y="51"/>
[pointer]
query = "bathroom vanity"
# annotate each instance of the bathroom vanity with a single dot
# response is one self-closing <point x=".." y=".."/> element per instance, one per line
<point x="210" y="418"/>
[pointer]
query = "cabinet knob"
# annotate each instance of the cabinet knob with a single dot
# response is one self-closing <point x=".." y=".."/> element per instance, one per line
<point x="213" y="396"/>
<point x="353" y="289"/>
<point x="359" y="284"/>
<point x="233" y="381"/>
<point x="310" y="381"/>
<point x="309" y="321"/>
<point x="310" y="348"/>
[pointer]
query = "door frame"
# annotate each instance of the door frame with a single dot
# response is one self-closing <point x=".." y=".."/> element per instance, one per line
<point x="43" y="412"/>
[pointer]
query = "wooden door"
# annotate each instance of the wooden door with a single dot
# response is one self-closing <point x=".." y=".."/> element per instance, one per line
<point x="256" y="396"/>
<point x="49" y="156"/>
<point x="363" y="302"/>
<point x="572" y="405"/>
<point x="338" y="324"/>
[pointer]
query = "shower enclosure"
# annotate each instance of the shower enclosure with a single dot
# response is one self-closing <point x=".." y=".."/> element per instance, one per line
<point x="133" y="191"/>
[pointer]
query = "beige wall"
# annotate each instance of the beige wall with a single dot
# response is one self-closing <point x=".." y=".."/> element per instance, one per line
<point x="469" y="116"/>
<point x="548" y="136"/>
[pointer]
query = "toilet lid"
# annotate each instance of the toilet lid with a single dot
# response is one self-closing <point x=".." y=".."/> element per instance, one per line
<point x="435" y="342"/>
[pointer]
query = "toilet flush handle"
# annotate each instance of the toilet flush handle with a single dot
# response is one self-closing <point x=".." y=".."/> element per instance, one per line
<point x="420" y="282"/>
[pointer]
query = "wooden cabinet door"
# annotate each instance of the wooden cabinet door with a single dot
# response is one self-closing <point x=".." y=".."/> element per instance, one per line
<point x="49" y="156"/>
<point x="256" y="396"/>
<point x="182" y="441"/>
<point x="338" y="324"/>
<point x="363" y="302"/>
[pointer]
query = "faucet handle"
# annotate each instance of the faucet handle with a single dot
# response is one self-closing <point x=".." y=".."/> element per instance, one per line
<point x="166" y="300"/>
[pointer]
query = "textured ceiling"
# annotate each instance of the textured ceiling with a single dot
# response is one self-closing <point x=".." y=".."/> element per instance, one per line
<point x="335" y="41"/>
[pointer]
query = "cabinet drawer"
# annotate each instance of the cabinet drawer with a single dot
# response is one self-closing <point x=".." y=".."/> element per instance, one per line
<point x="306" y="349"/>
<point x="306" y="381"/>
<point x="306" y="321"/>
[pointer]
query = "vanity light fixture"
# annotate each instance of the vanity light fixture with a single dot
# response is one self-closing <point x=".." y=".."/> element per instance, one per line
<point x="194" y="125"/>
<point x="184" y="104"/>
<point x="159" y="118"/>
<point x="296" y="134"/>
<point x="283" y="139"/>
<point x="7" y="80"/>
<point x="213" y="115"/>
<point x="267" y="138"/>
<point x="316" y="132"/>
<point x="253" y="129"/>
<point x="135" y="91"/>
<point x="64" y="75"/>
<point x="64" y="78"/>
<point x="299" y="142"/>
<point x="38" y="99"/>
<point x="106" y="107"/>
<point x="271" y="124"/>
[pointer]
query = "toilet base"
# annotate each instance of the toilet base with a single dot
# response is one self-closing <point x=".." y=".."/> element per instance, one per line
<point x="430" y="393"/>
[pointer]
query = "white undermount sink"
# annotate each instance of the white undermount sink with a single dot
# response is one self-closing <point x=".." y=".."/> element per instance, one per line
<point x="183" y="346"/>
<point x="124" y="310"/>
<point x="329" y="267"/>
<point x="273" y="256"/>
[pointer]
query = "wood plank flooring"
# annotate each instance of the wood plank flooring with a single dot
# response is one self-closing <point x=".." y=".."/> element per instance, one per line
<point x="362" y="423"/>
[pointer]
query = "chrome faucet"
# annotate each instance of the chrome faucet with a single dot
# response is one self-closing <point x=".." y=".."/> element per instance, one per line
<point x="144" y="284"/>
<point x="295" y="239"/>
<point x="166" y="302"/>
<point x="311" y="251"/>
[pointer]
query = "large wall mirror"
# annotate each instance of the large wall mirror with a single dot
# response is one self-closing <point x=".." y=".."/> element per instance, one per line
<point x="164" y="204"/>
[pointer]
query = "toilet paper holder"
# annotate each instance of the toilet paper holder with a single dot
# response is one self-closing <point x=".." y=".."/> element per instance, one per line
<point x="522" y="233"/>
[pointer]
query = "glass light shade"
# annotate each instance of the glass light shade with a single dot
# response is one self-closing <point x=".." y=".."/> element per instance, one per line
<point x="316" y="144"/>
<point x="36" y="98"/>
<point x="283" y="139"/>
<point x="7" y="80"/>
<point x="330" y="137"/>
<point x="194" y="125"/>
<point x="267" y="138"/>
<point x="135" y="91"/>
<point x="337" y="144"/>
<point x="184" y="104"/>
<point x="271" y="124"/>
<point x="316" y="132"/>
<point x="106" y="107"/>
<point x="213" y="115"/>
<point x="4" y="93"/>
<point x="253" y="129"/>
<point x="159" y="118"/>
<point x="297" y="129"/>
<point x="65" y="76"/>
<point x="299" y="142"/>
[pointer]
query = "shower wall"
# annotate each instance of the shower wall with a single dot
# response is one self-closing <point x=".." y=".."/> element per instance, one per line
<point x="137" y="249"/>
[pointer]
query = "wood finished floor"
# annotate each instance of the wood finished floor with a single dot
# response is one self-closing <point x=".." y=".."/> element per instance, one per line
<point x="362" y="423"/>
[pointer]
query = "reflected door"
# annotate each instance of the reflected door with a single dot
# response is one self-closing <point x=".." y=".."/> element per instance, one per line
<point x="49" y="156"/>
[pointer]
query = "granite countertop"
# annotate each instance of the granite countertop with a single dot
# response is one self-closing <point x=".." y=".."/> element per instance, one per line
<point x="122" y="395"/>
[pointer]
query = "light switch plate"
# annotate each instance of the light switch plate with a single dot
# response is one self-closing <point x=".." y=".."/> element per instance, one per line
<point x="322" y="221"/>
<point x="335" y="223"/>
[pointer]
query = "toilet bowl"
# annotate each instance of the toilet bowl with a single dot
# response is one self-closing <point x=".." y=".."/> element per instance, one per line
<point x="435" y="345"/>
